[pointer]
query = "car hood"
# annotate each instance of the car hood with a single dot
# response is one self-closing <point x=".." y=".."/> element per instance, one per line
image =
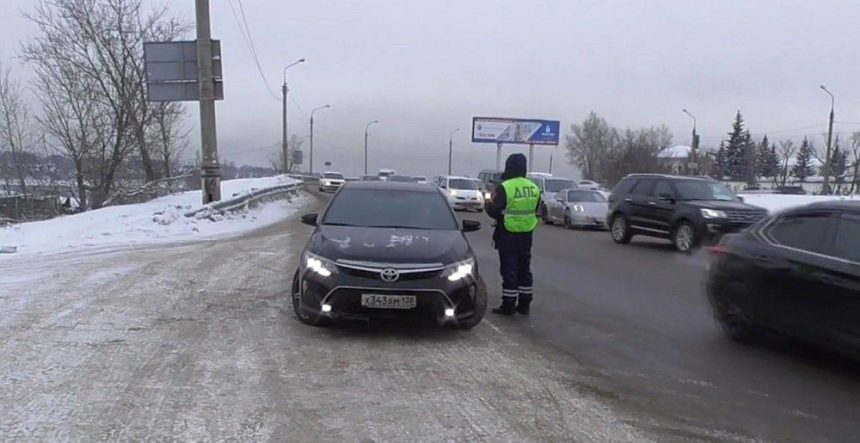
<point x="593" y="209"/>
<point x="723" y="205"/>
<point x="389" y="245"/>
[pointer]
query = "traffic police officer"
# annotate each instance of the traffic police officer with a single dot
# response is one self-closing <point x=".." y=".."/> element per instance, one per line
<point x="514" y="206"/>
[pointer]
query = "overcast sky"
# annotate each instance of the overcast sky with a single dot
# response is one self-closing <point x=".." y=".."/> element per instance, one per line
<point x="424" y="68"/>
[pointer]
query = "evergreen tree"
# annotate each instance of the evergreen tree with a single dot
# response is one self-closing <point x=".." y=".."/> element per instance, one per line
<point x="803" y="167"/>
<point x="738" y="158"/>
<point x="766" y="161"/>
<point x="838" y="162"/>
<point x="718" y="169"/>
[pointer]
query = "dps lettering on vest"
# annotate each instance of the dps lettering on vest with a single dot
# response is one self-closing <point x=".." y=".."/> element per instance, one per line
<point x="523" y="198"/>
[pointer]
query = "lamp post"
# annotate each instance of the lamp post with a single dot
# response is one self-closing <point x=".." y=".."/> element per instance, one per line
<point x="825" y="188"/>
<point x="284" y="143"/>
<point x="365" y="143"/>
<point x="694" y="155"/>
<point x="451" y="148"/>
<point x="311" y="160"/>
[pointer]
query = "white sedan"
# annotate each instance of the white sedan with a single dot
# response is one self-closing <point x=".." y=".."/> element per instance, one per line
<point x="578" y="208"/>
<point x="331" y="181"/>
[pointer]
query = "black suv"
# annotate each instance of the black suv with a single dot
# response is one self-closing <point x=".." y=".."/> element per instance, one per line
<point x="687" y="210"/>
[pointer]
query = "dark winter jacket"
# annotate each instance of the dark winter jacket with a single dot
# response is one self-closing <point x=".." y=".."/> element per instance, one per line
<point x="515" y="166"/>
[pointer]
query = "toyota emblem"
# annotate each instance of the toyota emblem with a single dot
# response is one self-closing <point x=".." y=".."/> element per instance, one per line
<point x="389" y="275"/>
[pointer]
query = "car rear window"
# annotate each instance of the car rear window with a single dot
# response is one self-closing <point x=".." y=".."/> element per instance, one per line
<point x="333" y="175"/>
<point x="390" y="208"/>
<point x="806" y="232"/>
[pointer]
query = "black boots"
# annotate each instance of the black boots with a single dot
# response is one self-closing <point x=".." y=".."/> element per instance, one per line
<point x="523" y="307"/>
<point x="508" y="307"/>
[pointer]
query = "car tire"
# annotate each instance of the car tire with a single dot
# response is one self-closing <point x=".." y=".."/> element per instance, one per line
<point x="567" y="223"/>
<point x="544" y="215"/>
<point x="684" y="237"/>
<point x="480" y="309"/>
<point x="734" y="323"/>
<point x="619" y="229"/>
<point x="304" y="317"/>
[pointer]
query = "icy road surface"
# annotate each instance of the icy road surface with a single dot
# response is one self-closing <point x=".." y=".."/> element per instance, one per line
<point x="197" y="342"/>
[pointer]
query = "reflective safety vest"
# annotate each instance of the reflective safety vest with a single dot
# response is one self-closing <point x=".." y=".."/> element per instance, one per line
<point x="523" y="197"/>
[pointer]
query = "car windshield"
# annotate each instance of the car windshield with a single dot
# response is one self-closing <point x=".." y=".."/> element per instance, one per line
<point x="462" y="183"/>
<point x="556" y="184"/>
<point x="586" y="197"/>
<point x="334" y="175"/>
<point x="703" y="190"/>
<point x="390" y="208"/>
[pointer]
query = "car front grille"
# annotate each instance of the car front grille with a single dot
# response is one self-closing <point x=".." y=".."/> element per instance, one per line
<point x="745" y="217"/>
<point x="375" y="275"/>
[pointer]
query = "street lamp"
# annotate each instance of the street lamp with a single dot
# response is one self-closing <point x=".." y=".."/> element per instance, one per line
<point x="825" y="188"/>
<point x="694" y="155"/>
<point x="451" y="148"/>
<point x="365" y="143"/>
<point x="284" y="91"/>
<point x="311" y="160"/>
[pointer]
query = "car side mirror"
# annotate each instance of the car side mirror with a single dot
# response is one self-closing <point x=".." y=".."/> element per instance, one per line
<point x="471" y="225"/>
<point x="310" y="219"/>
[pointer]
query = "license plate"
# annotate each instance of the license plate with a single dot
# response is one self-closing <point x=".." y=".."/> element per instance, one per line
<point x="388" y="301"/>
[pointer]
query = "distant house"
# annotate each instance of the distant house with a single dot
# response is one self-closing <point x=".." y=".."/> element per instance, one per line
<point x="677" y="159"/>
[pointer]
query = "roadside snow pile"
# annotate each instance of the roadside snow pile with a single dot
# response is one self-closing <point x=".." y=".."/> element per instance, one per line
<point x="159" y="220"/>
<point x="779" y="202"/>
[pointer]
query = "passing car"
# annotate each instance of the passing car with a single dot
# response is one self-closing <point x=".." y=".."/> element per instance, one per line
<point x="578" y="208"/>
<point x="490" y="178"/>
<point x="796" y="273"/>
<point x="419" y="179"/>
<point x="389" y="250"/>
<point x="331" y="181"/>
<point x="588" y="184"/>
<point x="689" y="211"/>
<point x="548" y="185"/>
<point x="384" y="174"/>
<point x="462" y="193"/>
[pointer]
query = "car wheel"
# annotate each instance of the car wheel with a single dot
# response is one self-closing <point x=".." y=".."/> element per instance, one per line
<point x="684" y="237"/>
<point x="305" y="317"/>
<point x="544" y="215"/>
<point x="620" y="229"/>
<point x="480" y="309"/>
<point x="734" y="323"/>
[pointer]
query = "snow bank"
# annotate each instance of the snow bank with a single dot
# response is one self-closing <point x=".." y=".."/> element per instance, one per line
<point x="779" y="202"/>
<point x="159" y="220"/>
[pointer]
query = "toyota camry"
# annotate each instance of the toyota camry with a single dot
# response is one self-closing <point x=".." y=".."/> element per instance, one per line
<point x="388" y="249"/>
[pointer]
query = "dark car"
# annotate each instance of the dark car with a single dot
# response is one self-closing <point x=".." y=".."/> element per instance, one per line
<point x="387" y="249"/>
<point x="689" y="211"/>
<point x="796" y="273"/>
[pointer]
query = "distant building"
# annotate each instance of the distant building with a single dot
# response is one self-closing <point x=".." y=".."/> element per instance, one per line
<point x="677" y="160"/>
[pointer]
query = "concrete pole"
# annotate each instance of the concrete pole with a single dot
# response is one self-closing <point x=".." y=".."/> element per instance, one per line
<point x="211" y="170"/>
<point x="531" y="157"/>
<point x="365" y="151"/>
<point x="284" y="143"/>
<point x="825" y="186"/>
<point x="498" y="156"/>
<point x="311" y="159"/>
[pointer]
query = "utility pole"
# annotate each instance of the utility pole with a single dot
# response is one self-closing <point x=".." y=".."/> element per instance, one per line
<point x="451" y="148"/>
<point x="211" y="171"/>
<point x="694" y="153"/>
<point x="284" y="137"/>
<point x="365" y="143"/>
<point x="550" y="160"/>
<point x="531" y="157"/>
<point x="825" y="188"/>
<point x="311" y="160"/>
<point x="498" y="156"/>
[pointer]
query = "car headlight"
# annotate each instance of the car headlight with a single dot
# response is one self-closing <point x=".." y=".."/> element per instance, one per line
<point x="459" y="270"/>
<point x="578" y="208"/>
<point x="713" y="213"/>
<point x="487" y="196"/>
<point x="321" y="266"/>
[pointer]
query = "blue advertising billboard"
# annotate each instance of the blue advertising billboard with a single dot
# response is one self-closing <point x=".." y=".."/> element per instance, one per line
<point x="522" y="131"/>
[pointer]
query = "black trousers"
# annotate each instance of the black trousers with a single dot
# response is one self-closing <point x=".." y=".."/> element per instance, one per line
<point x="516" y="275"/>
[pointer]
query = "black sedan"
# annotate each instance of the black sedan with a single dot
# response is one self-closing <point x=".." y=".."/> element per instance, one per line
<point x="796" y="273"/>
<point x="389" y="249"/>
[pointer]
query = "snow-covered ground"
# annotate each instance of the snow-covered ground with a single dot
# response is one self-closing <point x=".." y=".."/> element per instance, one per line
<point x="779" y="202"/>
<point x="159" y="220"/>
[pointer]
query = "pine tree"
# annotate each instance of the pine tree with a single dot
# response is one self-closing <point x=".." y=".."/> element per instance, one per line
<point x="738" y="157"/>
<point x="720" y="165"/>
<point x="838" y="162"/>
<point x="803" y="162"/>
<point x="766" y="161"/>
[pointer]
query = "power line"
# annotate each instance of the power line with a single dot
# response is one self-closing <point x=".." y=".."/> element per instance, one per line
<point x="249" y="43"/>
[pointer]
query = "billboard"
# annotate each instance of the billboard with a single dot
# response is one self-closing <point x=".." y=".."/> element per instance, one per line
<point x="171" y="70"/>
<point x="515" y="130"/>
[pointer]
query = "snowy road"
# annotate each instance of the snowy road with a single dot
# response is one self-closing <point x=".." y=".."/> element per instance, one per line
<point x="198" y="342"/>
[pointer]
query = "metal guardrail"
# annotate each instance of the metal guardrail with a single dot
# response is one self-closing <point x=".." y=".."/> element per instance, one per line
<point x="247" y="200"/>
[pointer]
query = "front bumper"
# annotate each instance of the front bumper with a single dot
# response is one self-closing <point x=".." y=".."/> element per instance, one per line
<point x="330" y="186"/>
<point x="342" y="291"/>
<point x="588" y="221"/>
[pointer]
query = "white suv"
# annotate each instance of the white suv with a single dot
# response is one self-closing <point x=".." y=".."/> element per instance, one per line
<point x="331" y="181"/>
<point x="462" y="193"/>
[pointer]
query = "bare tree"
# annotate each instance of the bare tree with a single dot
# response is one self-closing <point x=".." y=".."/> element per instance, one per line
<point x="786" y="153"/>
<point x="590" y="143"/>
<point x="88" y="62"/>
<point x="170" y="137"/>
<point x="637" y="151"/>
<point x="854" y="164"/>
<point x="17" y="132"/>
